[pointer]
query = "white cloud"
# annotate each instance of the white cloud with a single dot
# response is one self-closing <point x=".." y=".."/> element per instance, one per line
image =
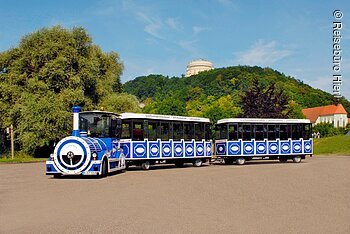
<point x="262" y="54"/>
<point x="152" y="24"/>
<point x="173" y="24"/>
<point x="198" y="29"/>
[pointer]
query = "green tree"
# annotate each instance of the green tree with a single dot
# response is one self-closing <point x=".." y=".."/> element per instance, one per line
<point x="119" y="103"/>
<point x="51" y="70"/>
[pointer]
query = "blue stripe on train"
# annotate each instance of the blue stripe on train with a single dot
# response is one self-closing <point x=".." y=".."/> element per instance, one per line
<point x="166" y="149"/>
<point x="265" y="147"/>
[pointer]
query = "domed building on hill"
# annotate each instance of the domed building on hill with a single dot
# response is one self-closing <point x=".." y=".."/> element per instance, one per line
<point x="196" y="66"/>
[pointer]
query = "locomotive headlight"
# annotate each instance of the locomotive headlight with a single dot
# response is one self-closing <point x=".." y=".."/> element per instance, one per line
<point x="94" y="155"/>
<point x="51" y="156"/>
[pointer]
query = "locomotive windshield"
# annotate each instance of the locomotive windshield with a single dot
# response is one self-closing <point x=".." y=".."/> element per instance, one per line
<point x="98" y="124"/>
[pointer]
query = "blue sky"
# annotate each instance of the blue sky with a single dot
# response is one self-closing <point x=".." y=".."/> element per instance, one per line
<point x="162" y="36"/>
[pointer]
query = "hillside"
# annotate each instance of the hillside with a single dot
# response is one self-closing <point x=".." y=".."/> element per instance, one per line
<point x="216" y="93"/>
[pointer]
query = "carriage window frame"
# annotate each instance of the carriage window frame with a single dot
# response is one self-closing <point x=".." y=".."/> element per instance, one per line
<point x="260" y="132"/>
<point x="307" y="131"/>
<point x="223" y="131"/>
<point x="126" y="129"/>
<point x="199" y="131"/>
<point x="246" y="132"/>
<point x="141" y="130"/>
<point x="285" y="131"/>
<point x="271" y="134"/>
<point x="233" y="131"/>
<point x="207" y="129"/>
<point x="164" y="130"/>
<point x="188" y="131"/>
<point x="178" y="133"/>
<point x="153" y="132"/>
<point x="297" y="131"/>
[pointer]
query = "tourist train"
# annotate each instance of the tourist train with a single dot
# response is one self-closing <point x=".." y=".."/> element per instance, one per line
<point x="103" y="142"/>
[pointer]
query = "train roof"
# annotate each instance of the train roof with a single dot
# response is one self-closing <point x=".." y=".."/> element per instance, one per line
<point x="99" y="112"/>
<point x="163" y="117"/>
<point x="261" y="120"/>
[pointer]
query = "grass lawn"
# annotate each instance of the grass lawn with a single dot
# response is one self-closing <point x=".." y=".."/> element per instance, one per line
<point x="20" y="158"/>
<point x="336" y="145"/>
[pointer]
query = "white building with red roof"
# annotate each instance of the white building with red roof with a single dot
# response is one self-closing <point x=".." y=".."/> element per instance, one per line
<point x="335" y="114"/>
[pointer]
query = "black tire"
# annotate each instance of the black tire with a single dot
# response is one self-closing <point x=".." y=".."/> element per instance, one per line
<point x="145" y="165"/>
<point x="296" y="159"/>
<point x="283" y="159"/>
<point x="228" y="161"/>
<point x="197" y="162"/>
<point x="179" y="163"/>
<point x="240" y="161"/>
<point x="104" y="168"/>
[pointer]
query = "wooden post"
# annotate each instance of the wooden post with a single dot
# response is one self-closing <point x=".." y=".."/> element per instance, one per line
<point x="12" y="143"/>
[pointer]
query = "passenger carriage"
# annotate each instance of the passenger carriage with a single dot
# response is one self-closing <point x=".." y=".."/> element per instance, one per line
<point x="241" y="139"/>
<point x="92" y="149"/>
<point x="147" y="139"/>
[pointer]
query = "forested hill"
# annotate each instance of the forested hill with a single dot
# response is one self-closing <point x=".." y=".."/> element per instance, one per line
<point x="217" y="93"/>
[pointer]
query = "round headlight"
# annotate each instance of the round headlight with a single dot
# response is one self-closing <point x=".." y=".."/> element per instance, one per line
<point x="94" y="154"/>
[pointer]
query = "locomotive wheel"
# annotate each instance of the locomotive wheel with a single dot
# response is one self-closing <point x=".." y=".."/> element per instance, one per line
<point x="104" y="168"/>
<point x="197" y="163"/>
<point x="283" y="159"/>
<point x="297" y="159"/>
<point x="240" y="161"/>
<point x="145" y="165"/>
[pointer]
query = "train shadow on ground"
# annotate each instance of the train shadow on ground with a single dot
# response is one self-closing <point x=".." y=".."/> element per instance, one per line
<point x="164" y="167"/>
<point x="255" y="162"/>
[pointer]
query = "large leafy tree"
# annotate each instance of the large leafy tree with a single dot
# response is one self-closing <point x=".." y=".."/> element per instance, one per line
<point x="121" y="102"/>
<point x="51" y="70"/>
<point x="262" y="101"/>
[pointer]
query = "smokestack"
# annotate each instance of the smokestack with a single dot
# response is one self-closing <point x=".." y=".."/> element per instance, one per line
<point x="76" y="131"/>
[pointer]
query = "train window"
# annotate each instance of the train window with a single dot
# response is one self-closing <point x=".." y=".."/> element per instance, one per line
<point x="164" y="130"/>
<point x="247" y="132"/>
<point x="271" y="132"/>
<point x="96" y="125"/>
<point x="285" y="131"/>
<point x="297" y="131"/>
<point x="240" y="131"/>
<point x="188" y="131"/>
<point x="260" y="132"/>
<point x="233" y="132"/>
<point x="307" y="131"/>
<point x="199" y="131"/>
<point x="137" y="131"/>
<point x="207" y="131"/>
<point x="126" y="129"/>
<point x="153" y="130"/>
<point x="177" y="131"/>
<point x="223" y="131"/>
<point x="116" y="127"/>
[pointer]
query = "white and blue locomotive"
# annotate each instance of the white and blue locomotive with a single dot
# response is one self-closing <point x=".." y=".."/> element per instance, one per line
<point x="104" y="142"/>
<point x="92" y="149"/>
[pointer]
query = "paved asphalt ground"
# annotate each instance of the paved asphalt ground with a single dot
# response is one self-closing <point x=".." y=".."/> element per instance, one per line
<point x="260" y="197"/>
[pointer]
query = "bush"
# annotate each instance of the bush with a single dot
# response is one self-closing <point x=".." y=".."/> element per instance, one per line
<point x="328" y="129"/>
